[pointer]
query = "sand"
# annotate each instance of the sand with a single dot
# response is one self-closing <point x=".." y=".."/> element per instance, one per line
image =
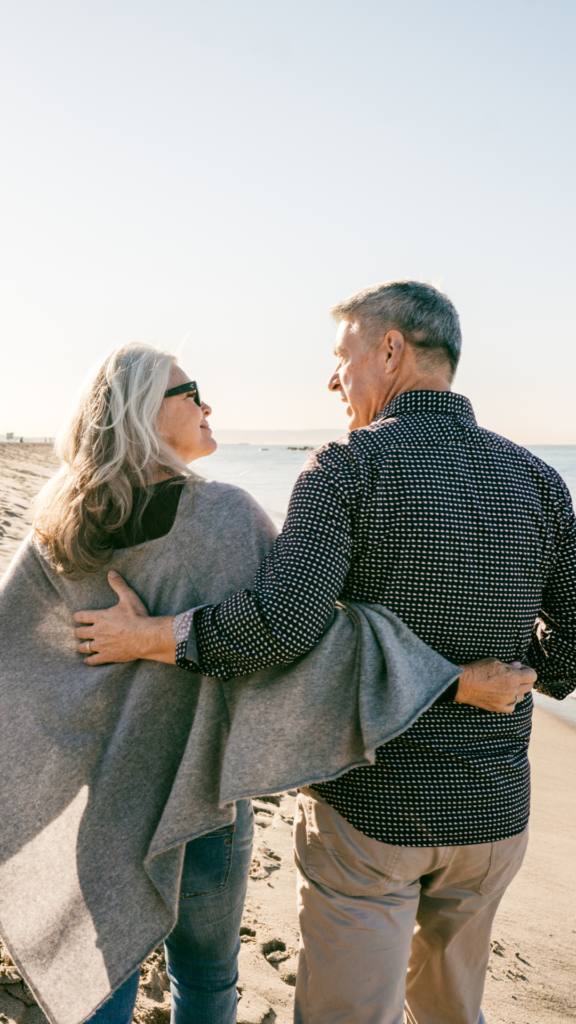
<point x="532" y="973"/>
<point x="532" y="976"/>
<point x="24" y="469"/>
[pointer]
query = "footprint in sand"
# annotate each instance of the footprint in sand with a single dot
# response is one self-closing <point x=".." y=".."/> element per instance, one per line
<point x="284" y="960"/>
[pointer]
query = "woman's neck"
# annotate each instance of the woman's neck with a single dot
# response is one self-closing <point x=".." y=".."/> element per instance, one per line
<point x="160" y="476"/>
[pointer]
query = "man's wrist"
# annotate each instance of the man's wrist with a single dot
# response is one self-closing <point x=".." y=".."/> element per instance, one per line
<point x="156" y="639"/>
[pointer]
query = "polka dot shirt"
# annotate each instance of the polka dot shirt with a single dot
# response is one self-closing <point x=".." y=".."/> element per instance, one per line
<point x="471" y="540"/>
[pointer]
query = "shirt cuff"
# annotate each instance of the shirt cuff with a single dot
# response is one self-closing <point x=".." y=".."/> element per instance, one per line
<point x="185" y="637"/>
<point x="181" y="625"/>
<point x="449" y="694"/>
<point x="559" y="690"/>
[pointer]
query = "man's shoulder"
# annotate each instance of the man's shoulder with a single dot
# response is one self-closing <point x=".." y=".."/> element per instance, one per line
<point x="513" y="453"/>
<point x="361" y="453"/>
<point x="356" y="444"/>
<point x="357" y="450"/>
<point x="400" y="440"/>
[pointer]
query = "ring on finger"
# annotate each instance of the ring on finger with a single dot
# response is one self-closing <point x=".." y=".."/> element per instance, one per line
<point x="89" y="648"/>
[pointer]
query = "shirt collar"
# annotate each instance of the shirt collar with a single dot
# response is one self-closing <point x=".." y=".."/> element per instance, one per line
<point x="445" y="402"/>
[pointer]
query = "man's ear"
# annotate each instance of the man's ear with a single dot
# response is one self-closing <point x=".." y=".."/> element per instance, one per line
<point x="393" y="345"/>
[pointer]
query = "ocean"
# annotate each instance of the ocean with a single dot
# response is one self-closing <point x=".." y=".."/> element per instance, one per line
<point x="268" y="473"/>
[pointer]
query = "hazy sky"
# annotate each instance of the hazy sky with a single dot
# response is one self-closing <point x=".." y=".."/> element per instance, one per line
<point x="222" y="172"/>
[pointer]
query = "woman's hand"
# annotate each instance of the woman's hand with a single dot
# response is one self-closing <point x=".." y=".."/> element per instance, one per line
<point x="493" y="685"/>
<point x="124" y="632"/>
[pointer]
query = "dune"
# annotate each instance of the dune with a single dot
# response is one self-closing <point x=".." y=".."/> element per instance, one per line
<point x="532" y="968"/>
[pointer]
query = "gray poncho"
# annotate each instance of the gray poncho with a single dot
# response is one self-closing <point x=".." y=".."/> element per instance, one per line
<point x="106" y="772"/>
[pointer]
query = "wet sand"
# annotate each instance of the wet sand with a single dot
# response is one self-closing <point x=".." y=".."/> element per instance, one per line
<point x="532" y="973"/>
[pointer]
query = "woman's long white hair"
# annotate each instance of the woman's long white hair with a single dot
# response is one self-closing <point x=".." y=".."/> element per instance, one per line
<point x="110" y="444"/>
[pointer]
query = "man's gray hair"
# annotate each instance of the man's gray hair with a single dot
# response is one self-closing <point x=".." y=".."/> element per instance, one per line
<point x="425" y="316"/>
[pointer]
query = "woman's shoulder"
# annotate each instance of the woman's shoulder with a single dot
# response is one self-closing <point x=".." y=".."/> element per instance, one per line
<point x="225" y="535"/>
<point x="223" y="494"/>
<point x="225" y="503"/>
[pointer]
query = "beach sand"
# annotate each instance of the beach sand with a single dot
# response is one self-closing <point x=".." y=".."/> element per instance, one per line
<point x="24" y="469"/>
<point x="532" y="973"/>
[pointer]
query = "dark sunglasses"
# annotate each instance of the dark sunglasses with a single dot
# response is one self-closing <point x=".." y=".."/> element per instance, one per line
<point x="190" y="385"/>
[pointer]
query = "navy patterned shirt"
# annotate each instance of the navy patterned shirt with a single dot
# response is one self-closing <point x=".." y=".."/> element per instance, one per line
<point x="471" y="540"/>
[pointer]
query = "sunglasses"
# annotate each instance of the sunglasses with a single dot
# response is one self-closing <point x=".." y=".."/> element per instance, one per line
<point x="190" y="385"/>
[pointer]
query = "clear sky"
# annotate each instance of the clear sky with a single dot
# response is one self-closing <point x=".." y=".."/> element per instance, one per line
<point x="219" y="173"/>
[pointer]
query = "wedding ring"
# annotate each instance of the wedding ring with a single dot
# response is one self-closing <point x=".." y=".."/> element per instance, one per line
<point x="90" y="651"/>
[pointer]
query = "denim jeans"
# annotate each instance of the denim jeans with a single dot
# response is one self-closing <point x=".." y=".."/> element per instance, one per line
<point x="202" y="950"/>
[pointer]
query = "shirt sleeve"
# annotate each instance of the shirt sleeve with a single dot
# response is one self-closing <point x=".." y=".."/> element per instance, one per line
<point x="295" y="587"/>
<point x="552" y="652"/>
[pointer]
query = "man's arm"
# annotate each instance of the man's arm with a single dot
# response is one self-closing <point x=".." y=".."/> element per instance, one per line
<point x="286" y="612"/>
<point x="280" y="618"/>
<point x="552" y="651"/>
<point x="126" y="632"/>
<point x="295" y="587"/>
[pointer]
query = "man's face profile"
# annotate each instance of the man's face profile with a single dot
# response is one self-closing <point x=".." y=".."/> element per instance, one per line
<point x="360" y="374"/>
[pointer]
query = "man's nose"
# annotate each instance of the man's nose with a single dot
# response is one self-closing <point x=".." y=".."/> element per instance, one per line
<point x="334" y="382"/>
<point x="206" y="409"/>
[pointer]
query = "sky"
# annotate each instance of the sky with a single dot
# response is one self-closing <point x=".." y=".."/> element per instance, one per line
<point x="212" y="177"/>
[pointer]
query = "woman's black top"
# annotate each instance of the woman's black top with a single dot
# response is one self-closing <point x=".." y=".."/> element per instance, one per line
<point x="158" y="516"/>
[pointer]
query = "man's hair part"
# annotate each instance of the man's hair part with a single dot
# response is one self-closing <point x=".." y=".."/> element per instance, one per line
<point x="425" y="316"/>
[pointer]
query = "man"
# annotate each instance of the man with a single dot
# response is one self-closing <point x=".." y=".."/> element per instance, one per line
<point x="472" y="542"/>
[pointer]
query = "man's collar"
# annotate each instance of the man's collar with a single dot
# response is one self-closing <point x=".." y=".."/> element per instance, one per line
<point x="427" y="401"/>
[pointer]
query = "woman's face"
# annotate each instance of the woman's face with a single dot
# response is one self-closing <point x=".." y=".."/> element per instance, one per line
<point x="183" y="424"/>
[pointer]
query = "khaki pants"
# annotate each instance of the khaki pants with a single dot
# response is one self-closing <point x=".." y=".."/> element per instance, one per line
<point x="388" y="930"/>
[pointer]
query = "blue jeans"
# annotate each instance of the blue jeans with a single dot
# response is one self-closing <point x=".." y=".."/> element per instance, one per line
<point x="202" y="950"/>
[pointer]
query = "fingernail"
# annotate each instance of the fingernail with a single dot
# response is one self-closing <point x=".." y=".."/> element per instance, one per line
<point x="515" y="664"/>
<point x="113" y="574"/>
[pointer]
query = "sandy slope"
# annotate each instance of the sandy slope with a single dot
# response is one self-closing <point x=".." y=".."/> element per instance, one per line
<point x="532" y="975"/>
<point x="24" y="469"/>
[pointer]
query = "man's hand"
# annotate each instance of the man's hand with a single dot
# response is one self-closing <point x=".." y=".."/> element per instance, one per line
<point x="495" y="686"/>
<point x="124" y="632"/>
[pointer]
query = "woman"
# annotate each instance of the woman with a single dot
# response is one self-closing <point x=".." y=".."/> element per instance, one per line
<point x="125" y="456"/>
<point x="113" y="740"/>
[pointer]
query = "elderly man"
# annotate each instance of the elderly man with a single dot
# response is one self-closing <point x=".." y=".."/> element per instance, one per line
<point x="471" y="540"/>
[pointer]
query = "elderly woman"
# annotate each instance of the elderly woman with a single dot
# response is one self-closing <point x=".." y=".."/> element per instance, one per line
<point x="125" y="452"/>
<point x="100" y="839"/>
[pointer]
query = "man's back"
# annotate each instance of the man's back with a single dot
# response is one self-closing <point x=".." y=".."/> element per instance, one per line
<point x="458" y="531"/>
<point x="456" y="528"/>
<point x="472" y="542"/>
